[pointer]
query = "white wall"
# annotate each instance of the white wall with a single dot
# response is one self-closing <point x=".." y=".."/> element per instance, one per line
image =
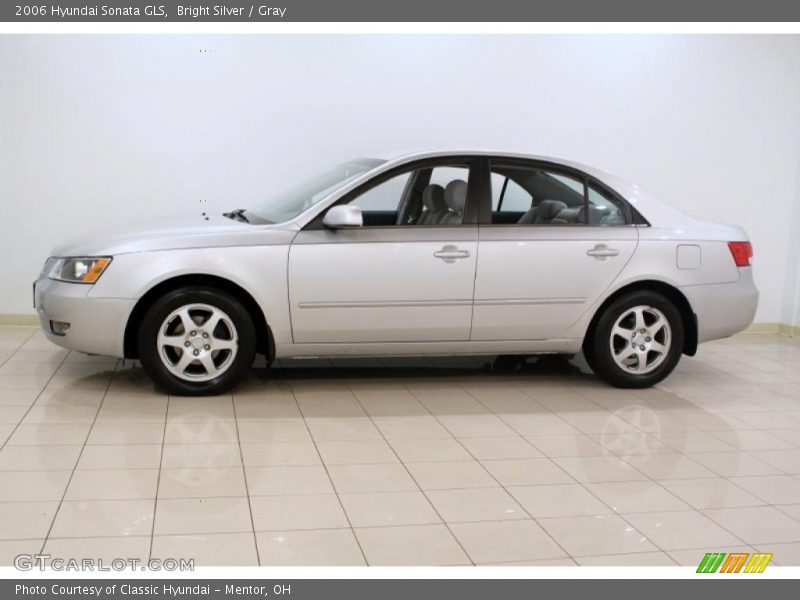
<point x="98" y="130"/>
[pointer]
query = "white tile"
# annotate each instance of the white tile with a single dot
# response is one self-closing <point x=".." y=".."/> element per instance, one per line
<point x="413" y="545"/>
<point x="113" y="484"/>
<point x="26" y="520"/>
<point x="599" y="468"/>
<point x="773" y="489"/>
<point x="501" y="448"/>
<point x="208" y="482"/>
<point x="640" y="559"/>
<point x="39" y="458"/>
<point x="278" y="513"/>
<point x="326" y="547"/>
<point x="401" y="427"/>
<point x="451" y="475"/>
<point x="711" y="493"/>
<point x="502" y="541"/>
<point x="202" y="515"/>
<point x="210" y="549"/>
<point x="733" y="464"/>
<point x="121" y="456"/>
<point x="32" y="486"/>
<point x="681" y="529"/>
<point x="596" y="535"/>
<point x="103" y="518"/>
<point x="636" y="496"/>
<point x="287" y="480"/>
<point x="530" y="471"/>
<point x="478" y="504"/>
<point x="126" y="433"/>
<point x="49" y="434"/>
<point x="787" y="555"/>
<point x="448" y="449"/>
<point x="567" y="445"/>
<point x="342" y="429"/>
<point x="176" y="456"/>
<point x="201" y="432"/>
<point x="355" y="452"/>
<point x="383" y="509"/>
<point x="107" y="549"/>
<point x="757" y="525"/>
<point x="269" y="431"/>
<point x="273" y="454"/>
<point x="564" y="500"/>
<point x="669" y="466"/>
<point x="371" y="478"/>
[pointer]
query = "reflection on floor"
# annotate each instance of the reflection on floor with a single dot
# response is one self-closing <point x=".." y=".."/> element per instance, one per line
<point x="409" y="461"/>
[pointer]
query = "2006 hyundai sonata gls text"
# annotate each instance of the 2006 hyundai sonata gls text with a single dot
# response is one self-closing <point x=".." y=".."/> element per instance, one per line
<point x="423" y="254"/>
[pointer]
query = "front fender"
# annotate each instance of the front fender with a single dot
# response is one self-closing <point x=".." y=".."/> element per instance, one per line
<point x="259" y="270"/>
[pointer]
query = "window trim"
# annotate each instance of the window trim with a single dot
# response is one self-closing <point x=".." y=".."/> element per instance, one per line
<point x="471" y="205"/>
<point x="632" y="217"/>
<point x="502" y="193"/>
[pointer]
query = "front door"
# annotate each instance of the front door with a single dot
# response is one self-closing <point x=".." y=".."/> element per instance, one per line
<point x="407" y="275"/>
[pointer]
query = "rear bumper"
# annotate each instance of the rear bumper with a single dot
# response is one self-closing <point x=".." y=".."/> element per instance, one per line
<point x="96" y="325"/>
<point x="725" y="308"/>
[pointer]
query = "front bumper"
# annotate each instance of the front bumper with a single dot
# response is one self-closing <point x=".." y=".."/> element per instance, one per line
<point x="97" y="325"/>
<point x="725" y="308"/>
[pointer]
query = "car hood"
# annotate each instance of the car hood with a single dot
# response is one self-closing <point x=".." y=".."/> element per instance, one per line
<point x="167" y="233"/>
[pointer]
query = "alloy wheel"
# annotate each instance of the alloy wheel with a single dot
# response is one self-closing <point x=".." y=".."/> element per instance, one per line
<point x="640" y="339"/>
<point x="197" y="342"/>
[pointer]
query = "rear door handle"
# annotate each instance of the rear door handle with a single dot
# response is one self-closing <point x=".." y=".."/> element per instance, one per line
<point x="451" y="253"/>
<point x="602" y="252"/>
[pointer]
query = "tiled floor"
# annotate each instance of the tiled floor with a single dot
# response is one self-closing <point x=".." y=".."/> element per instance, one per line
<point x="402" y="462"/>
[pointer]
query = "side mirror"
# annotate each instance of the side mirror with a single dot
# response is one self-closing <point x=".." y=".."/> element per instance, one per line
<point x="343" y="216"/>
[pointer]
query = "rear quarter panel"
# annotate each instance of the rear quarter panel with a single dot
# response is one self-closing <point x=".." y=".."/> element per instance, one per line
<point x="656" y="259"/>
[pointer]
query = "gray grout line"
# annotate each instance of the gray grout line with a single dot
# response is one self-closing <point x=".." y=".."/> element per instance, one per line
<point x="501" y="486"/>
<point x="25" y="341"/>
<point x="330" y="479"/>
<point x="536" y="520"/>
<point x="80" y="454"/>
<point x="158" y="481"/>
<point x="648" y="480"/>
<point x="691" y="399"/>
<point x="410" y="474"/>
<point x="246" y="485"/>
<point x="30" y="408"/>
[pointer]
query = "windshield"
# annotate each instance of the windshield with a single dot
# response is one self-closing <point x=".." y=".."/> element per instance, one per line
<point x="289" y="204"/>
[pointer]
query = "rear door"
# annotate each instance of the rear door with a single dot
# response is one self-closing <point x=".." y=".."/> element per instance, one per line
<point x="552" y="243"/>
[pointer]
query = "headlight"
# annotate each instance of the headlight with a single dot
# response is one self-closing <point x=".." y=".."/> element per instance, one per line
<point x="77" y="270"/>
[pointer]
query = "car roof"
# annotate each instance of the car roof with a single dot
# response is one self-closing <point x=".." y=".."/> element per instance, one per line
<point x="401" y="156"/>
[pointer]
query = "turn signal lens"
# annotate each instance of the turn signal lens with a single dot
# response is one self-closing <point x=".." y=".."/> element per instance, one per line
<point x="95" y="269"/>
<point x="77" y="270"/>
<point x="742" y="253"/>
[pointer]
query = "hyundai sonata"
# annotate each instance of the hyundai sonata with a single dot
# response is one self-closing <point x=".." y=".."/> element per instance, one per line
<point x="430" y="253"/>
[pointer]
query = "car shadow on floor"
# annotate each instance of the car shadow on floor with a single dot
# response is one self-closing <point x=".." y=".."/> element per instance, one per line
<point x="545" y="367"/>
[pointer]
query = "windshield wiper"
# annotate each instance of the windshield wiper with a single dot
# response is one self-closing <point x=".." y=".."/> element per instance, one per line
<point x="237" y="215"/>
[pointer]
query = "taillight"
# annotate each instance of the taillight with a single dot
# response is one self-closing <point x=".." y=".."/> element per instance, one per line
<point x="742" y="252"/>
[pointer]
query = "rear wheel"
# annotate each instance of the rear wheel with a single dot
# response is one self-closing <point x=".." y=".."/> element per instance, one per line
<point x="637" y="340"/>
<point x="197" y="341"/>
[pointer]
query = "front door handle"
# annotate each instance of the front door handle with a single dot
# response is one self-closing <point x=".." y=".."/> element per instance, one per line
<point x="602" y="252"/>
<point x="451" y="253"/>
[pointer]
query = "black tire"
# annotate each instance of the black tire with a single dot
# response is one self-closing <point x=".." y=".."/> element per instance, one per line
<point x="235" y="369"/>
<point x="597" y="346"/>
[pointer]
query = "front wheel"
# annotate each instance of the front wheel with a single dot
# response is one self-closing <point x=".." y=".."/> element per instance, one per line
<point x="196" y="341"/>
<point x="637" y="341"/>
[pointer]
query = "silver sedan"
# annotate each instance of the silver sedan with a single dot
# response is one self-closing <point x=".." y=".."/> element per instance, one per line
<point x="429" y="253"/>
